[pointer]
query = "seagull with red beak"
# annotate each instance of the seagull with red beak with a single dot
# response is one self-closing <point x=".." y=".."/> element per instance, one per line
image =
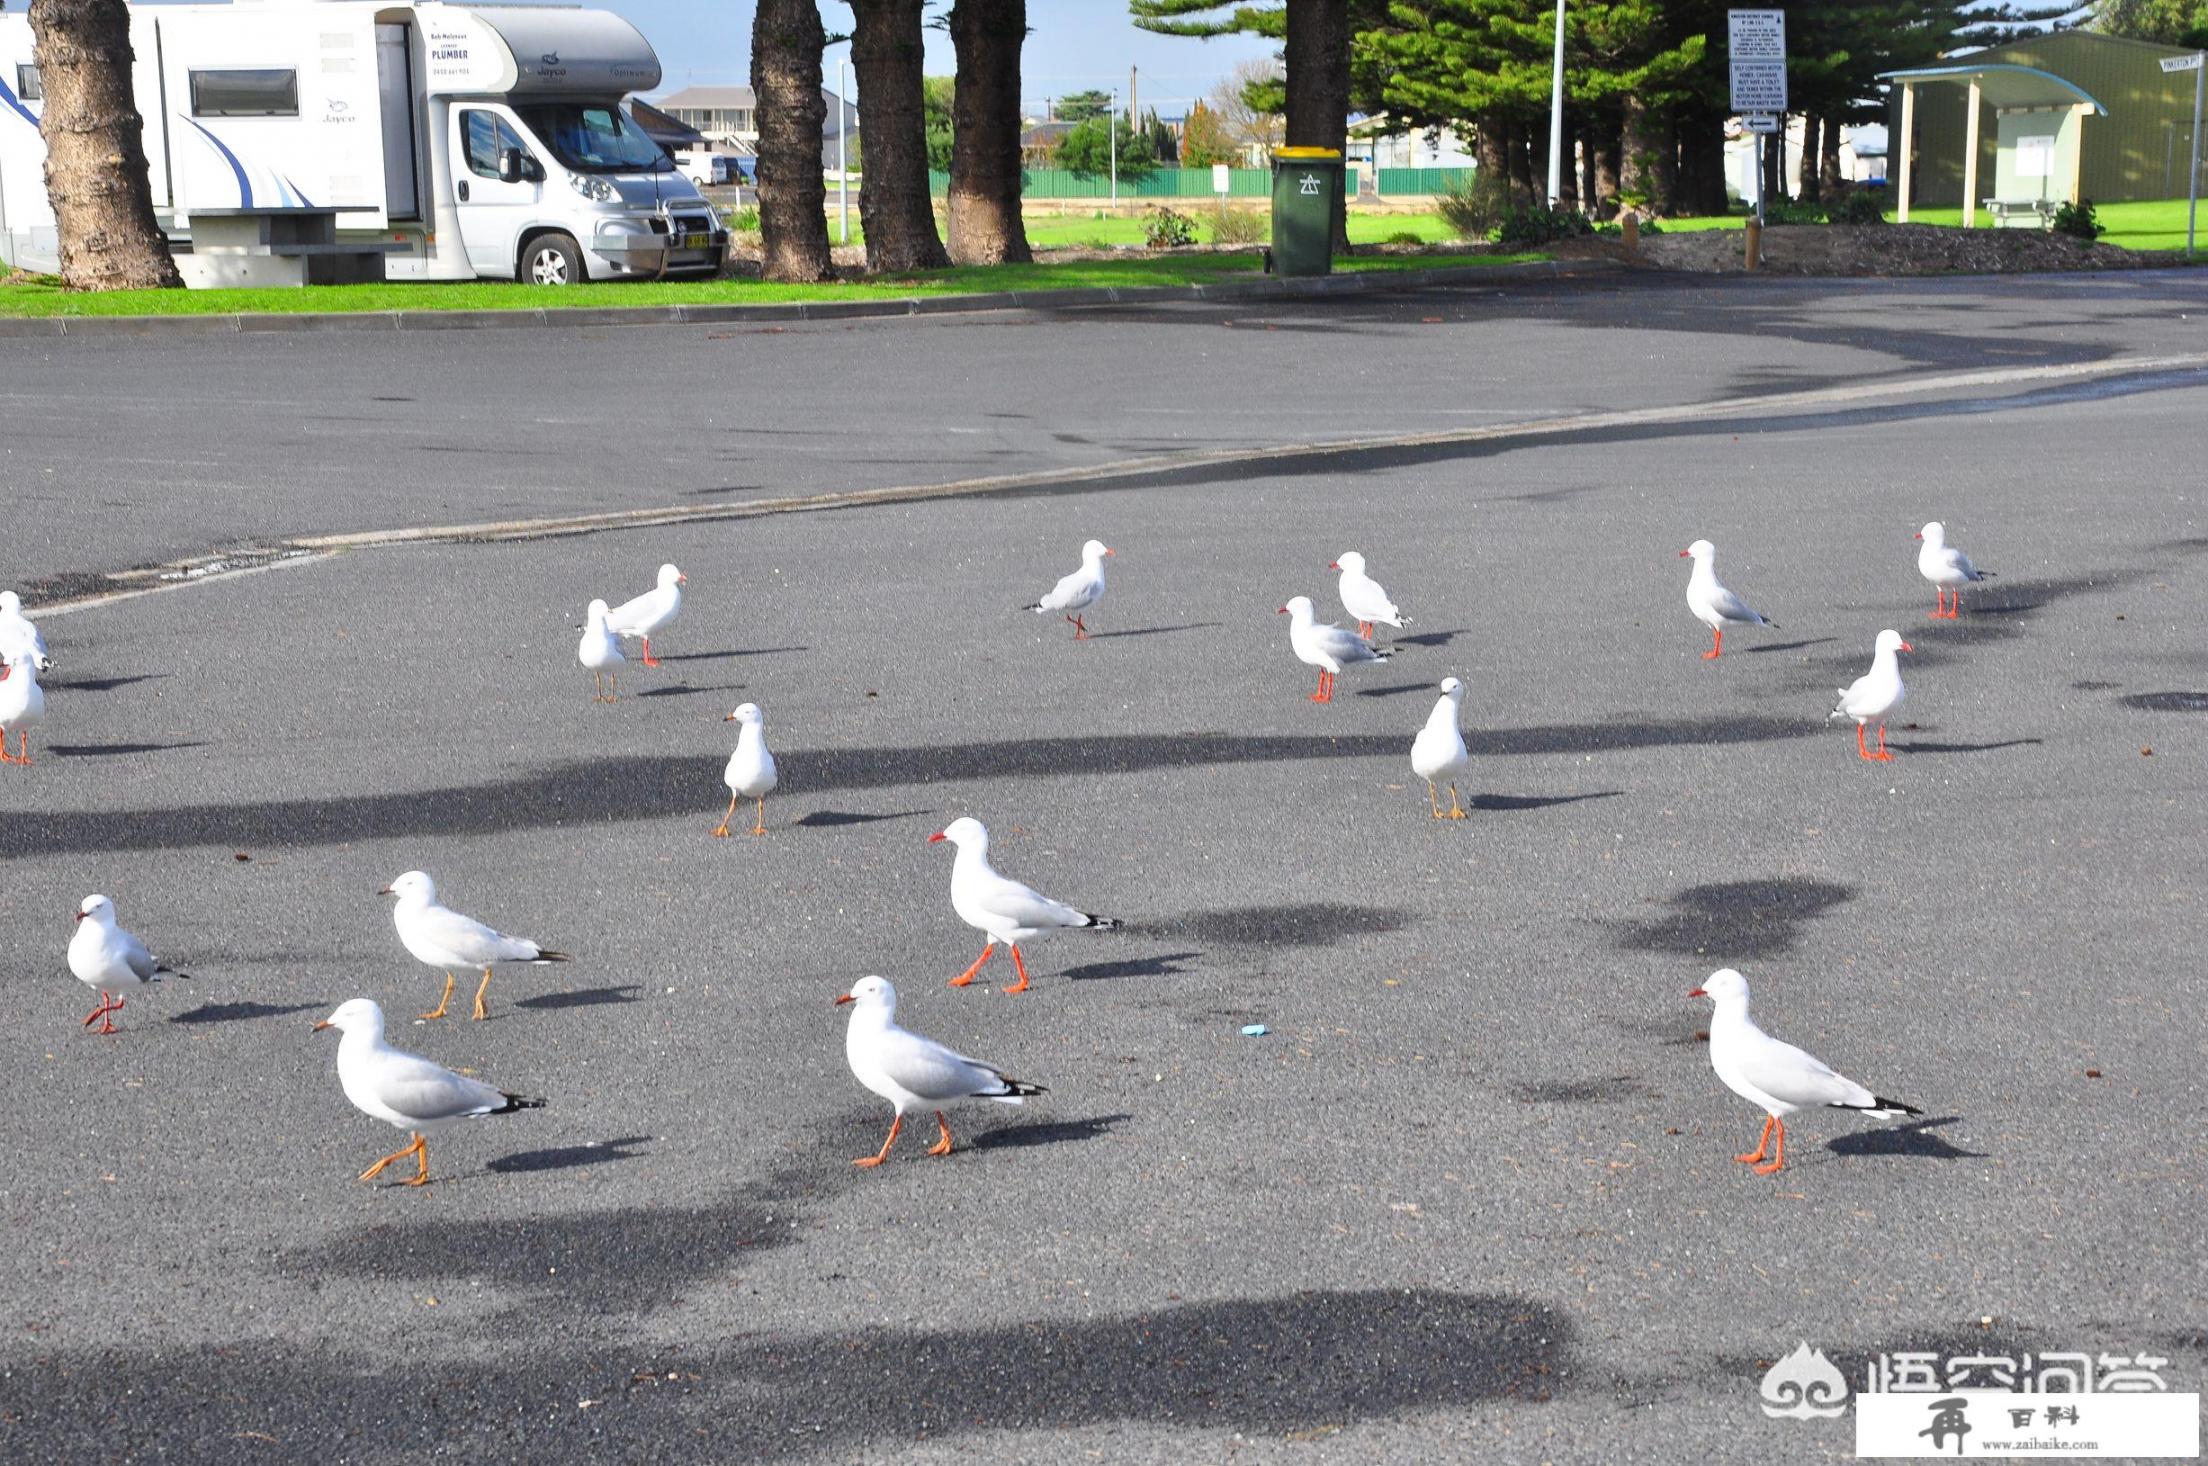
<point x="914" y="1073"/>
<point x="1079" y="591"/>
<point x="108" y="959"/>
<point x="406" y="1089"/>
<point x="1363" y="597"/>
<point x="1327" y="647"/>
<point x="1713" y="605"/>
<point x="1002" y="909"/>
<point x="1948" y="568"/>
<point x="1776" y="1076"/>
<point x="1870" y="697"/>
<point x="650" y="611"/>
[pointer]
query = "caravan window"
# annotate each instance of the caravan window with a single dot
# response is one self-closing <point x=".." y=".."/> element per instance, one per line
<point x="27" y="86"/>
<point x="489" y="135"/>
<point x="245" y="93"/>
<point x="594" y="139"/>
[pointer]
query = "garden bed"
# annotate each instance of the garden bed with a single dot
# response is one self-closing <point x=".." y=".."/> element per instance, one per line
<point x="1874" y="249"/>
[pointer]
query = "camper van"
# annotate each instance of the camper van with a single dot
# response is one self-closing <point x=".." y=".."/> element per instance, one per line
<point x="465" y="142"/>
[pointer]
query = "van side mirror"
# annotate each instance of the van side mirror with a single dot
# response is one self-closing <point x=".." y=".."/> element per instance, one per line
<point x="513" y="166"/>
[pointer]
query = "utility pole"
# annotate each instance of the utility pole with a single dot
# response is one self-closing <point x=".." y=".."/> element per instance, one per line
<point x="1134" y="113"/>
<point x="1111" y="130"/>
<point x="843" y="166"/>
<point x="1556" y="116"/>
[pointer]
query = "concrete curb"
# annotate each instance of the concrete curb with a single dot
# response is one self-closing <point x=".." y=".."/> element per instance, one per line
<point x="1357" y="282"/>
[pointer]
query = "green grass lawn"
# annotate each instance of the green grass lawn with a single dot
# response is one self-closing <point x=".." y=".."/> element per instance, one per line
<point x="38" y="299"/>
<point x="2149" y="224"/>
<point x="1081" y="227"/>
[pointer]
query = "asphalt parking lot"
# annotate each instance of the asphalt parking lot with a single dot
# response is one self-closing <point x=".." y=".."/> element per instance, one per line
<point x="1471" y="1194"/>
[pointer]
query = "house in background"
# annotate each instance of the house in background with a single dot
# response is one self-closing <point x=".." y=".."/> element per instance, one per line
<point x="728" y="118"/>
<point x="1039" y="143"/>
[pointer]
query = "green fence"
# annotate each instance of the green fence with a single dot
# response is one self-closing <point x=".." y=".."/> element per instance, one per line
<point x="1422" y="180"/>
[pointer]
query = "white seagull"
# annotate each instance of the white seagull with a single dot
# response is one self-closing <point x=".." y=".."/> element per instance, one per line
<point x="445" y="939"/>
<point x="1079" y="591"/>
<point x="1777" y="1076"/>
<point x="18" y="634"/>
<point x="650" y="611"/>
<point x="1876" y="693"/>
<point x="1327" y="647"/>
<point x="1363" y="598"/>
<point x="1439" y="752"/>
<point x="750" y="773"/>
<point x="1002" y="909"/>
<point x="1712" y="604"/>
<point x="405" y="1089"/>
<point x="600" y="651"/>
<point x="1948" y="568"/>
<point x="912" y="1072"/>
<point x="104" y="956"/>
<point x="22" y="703"/>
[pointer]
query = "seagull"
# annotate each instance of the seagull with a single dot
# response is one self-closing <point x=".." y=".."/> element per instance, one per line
<point x="1439" y="752"/>
<point x="1712" y="604"/>
<point x="444" y="938"/>
<point x="1948" y="568"/>
<point x="1003" y="909"/>
<point x="750" y="773"/>
<point x="912" y="1072"/>
<point x="1328" y="647"/>
<point x="1363" y="598"/>
<point x="104" y="956"/>
<point x="1777" y="1076"/>
<point x="1875" y="694"/>
<point x="649" y="611"/>
<point x="22" y="703"/>
<point x="17" y="632"/>
<point x="405" y="1089"/>
<point x="600" y="651"/>
<point x="1079" y="591"/>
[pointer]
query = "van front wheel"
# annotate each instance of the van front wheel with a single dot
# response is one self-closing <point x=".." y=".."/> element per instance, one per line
<point x="551" y="259"/>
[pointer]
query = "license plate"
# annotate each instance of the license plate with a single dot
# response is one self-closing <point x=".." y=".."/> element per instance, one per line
<point x="694" y="241"/>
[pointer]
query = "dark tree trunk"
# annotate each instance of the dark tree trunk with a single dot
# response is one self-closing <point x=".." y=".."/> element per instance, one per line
<point x="1488" y="151"/>
<point x="1590" y="152"/>
<point x="1318" y="85"/>
<point x="894" y="206"/>
<point x="1606" y="159"/>
<point x="786" y="41"/>
<point x="1829" y="183"/>
<point x="1808" y="190"/>
<point x="96" y="172"/>
<point x="1774" y="163"/>
<point x="1567" y="174"/>
<point x="1639" y="143"/>
<point x="985" y="223"/>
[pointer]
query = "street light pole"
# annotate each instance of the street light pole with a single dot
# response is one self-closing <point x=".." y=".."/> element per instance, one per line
<point x="1556" y="116"/>
<point x="2192" y="186"/>
<point x="1111" y="130"/>
<point x="843" y="166"/>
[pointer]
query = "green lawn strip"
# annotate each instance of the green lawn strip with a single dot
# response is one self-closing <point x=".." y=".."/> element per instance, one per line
<point x="2148" y="224"/>
<point x="47" y="300"/>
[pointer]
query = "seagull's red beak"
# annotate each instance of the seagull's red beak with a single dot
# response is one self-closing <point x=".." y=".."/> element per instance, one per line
<point x="1333" y="564"/>
<point x="1283" y="610"/>
<point x="846" y="998"/>
<point x="325" y="1023"/>
<point x="1907" y="648"/>
<point x="1698" y="993"/>
<point x="729" y="719"/>
<point x="383" y="890"/>
<point x="80" y="916"/>
<point x="938" y="835"/>
<point x="1918" y="535"/>
<point x="1683" y="554"/>
<point x="1110" y="551"/>
<point x="682" y="580"/>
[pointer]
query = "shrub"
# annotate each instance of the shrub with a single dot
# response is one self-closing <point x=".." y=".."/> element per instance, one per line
<point x="1859" y="206"/>
<point x="744" y="220"/>
<point x="1241" y="226"/>
<point x="2079" y="221"/>
<point x="1473" y="206"/>
<point x="1405" y="236"/>
<point x="1786" y="211"/>
<point x="1167" y="229"/>
<point x="1535" y="224"/>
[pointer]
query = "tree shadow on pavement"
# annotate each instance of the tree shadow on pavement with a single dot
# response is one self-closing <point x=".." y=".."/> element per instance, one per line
<point x="1735" y="920"/>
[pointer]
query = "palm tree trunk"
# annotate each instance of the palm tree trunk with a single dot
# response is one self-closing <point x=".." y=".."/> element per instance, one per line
<point x="985" y="223"/>
<point x="1828" y="164"/>
<point x="96" y="172"/>
<point x="1317" y="53"/>
<point x="786" y="42"/>
<point x="893" y="190"/>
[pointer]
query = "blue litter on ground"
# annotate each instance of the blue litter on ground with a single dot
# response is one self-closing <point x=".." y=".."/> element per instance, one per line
<point x="1253" y="1030"/>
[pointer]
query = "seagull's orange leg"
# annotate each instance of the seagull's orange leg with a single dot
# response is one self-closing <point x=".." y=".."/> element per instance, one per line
<point x="979" y="962"/>
<point x="942" y="1146"/>
<point x="106" y="1009"/>
<point x="1433" y="798"/>
<point x="759" y="817"/>
<point x="722" y="832"/>
<point x="1456" y="810"/>
<point x="480" y="1010"/>
<point x="1326" y="687"/>
<point x="412" y="1146"/>
<point x="421" y="1155"/>
<point x="1862" y="749"/>
<point x="1778" y="1157"/>
<point x="1763" y="1143"/>
<point x="1717" y="644"/>
<point x="649" y="659"/>
<point x="869" y="1162"/>
<point x="1080" y="632"/>
<point x="439" y="1010"/>
<point x="1939" y="601"/>
<point x="1364" y="629"/>
<point x="1021" y="985"/>
<point x="1955" y="604"/>
<point x="1882" y="755"/>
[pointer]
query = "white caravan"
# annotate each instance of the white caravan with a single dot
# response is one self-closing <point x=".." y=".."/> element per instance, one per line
<point x="472" y="141"/>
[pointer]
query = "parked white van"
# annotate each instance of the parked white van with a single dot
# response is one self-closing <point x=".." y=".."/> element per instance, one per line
<point x="711" y="170"/>
<point x="471" y="142"/>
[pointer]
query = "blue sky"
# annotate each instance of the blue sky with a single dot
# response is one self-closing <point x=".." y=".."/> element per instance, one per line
<point x="1073" y="45"/>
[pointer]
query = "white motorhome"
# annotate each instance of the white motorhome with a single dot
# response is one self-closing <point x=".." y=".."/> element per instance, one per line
<point x="469" y="141"/>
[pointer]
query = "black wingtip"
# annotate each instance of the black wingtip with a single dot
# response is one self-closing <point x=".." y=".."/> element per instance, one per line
<point x="1037" y="606"/>
<point x="1102" y="923"/>
<point x="1887" y="1104"/>
<point x="544" y="956"/>
<point x="1021" y="1087"/>
<point x="517" y="1102"/>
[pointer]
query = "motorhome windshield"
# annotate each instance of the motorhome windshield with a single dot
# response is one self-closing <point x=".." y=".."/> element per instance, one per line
<point x="593" y="139"/>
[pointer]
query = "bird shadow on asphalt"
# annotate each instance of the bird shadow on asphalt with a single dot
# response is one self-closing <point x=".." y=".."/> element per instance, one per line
<point x="829" y="819"/>
<point x="1396" y="689"/>
<point x="688" y="691"/>
<point x="1161" y="966"/>
<point x="1053" y="1132"/>
<point x="756" y="651"/>
<point x="583" y="998"/>
<point x="1428" y="638"/>
<point x="1516" y="803"/>
<point x="1309" y="924"/>
<point x="1913" y="1139"/>
<point x="1735" y="920"/>
<point x="242" y="1012"/>
<point x="116" y="750"/>
<point x="567" y="1157"/>
<point x="1787" y="646"/>
<point x="630" y="787"/>
<point x="103" y="684"/>
<point x="2166" y="702"/>
<point x="1923" y="746"/>
<point x="1154" y="630"/>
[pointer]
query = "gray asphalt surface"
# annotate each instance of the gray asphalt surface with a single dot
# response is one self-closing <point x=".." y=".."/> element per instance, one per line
<point x="1471" y="1196"/>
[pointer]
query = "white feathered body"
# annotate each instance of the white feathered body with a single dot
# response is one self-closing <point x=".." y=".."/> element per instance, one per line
<point x="18" y="635"/>
<point x="599" y="648"/>
<point x="105" y="957"/>
<point x="1946" y="566"/>
<point x="1327" y="646"/>
<point x="1715" y="606"/>
<point x="1001" y="907"/>
<point x="1438" y="753"/>
<point x="1778" y="1076"/>
<point x="442" y="937"/>
<point x="1874" y="694"/>
<point x="1078" y="591"/>
<point x="22" y="700"/>
<point x="1363" y="598"/>
<point x="648" y="612"/>
<point x="751" y="773"/>
<point x="915" y="1073"/>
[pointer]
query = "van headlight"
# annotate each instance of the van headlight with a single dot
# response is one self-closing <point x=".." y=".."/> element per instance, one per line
<point x="597" y="190"/>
